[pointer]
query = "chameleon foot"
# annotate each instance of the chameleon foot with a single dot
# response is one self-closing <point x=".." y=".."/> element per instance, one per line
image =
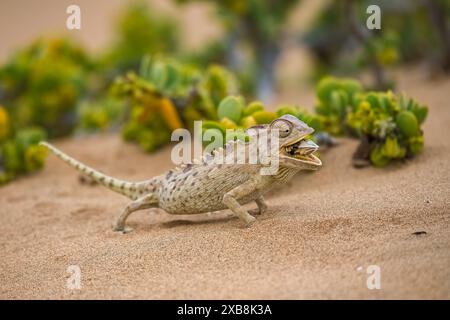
<point x="119" y="226"/>
<point x="142" y="203"/>
<point x="229" y="199"/>
<point x="122" y="229"/>
<point x="262" y="207"/>
<point x="255" y="212"/>
<point x="250" y="221"/>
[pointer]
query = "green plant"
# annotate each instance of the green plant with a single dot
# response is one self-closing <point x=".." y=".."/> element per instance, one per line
<point x="336" y="97"/>
<point x="138" y="32"/>
<point x="102" y="114"/>
<point x="342" y="45"/>
<point x="167" y="95"/>
<point x="234" y="113"/>
<point x="389" y="126"/>
<point x="254" y="32"/>
<point x="41" y="85"/>
<point x="53" y="85"/>
<point x="20" y="153"/>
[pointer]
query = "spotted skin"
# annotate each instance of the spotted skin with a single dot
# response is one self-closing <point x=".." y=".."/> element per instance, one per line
<point x="208" y="185"/>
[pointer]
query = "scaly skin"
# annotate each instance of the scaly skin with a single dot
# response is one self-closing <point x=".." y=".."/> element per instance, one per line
<point x="209" y="185"/>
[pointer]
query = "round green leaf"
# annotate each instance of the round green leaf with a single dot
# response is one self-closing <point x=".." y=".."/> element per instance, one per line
<point x="263" y="117"/>
<point x="407" y="124"/>
<point x="231" y="108"/>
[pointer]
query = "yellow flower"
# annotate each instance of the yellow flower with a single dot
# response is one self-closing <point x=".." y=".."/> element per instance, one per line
<point x="388" y="56"/>
<point x="4" y="123"/>
<point x="170" y="114"/>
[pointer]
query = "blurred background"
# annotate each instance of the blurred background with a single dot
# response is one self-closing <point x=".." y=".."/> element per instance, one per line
<point x="144" y="68"/>
<point x="30" y="19"/>
<point x="201" y="28"/>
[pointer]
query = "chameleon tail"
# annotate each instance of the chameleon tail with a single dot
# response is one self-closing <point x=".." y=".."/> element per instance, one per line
<point x="129" y="189"/>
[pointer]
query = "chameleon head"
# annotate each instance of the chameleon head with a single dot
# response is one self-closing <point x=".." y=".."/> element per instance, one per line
<point x="295" y="151"/>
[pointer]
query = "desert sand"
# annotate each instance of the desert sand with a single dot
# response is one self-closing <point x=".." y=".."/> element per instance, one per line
<point x="321" y="233"/>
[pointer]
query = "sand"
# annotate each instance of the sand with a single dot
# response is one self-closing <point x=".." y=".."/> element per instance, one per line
<point x="322" y="231"/>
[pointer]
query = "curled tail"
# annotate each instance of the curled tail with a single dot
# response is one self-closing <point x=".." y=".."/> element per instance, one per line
<point x="130" y="189"/>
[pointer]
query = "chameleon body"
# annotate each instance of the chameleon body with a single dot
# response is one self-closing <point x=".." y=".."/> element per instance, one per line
<point x="208" y="185"/>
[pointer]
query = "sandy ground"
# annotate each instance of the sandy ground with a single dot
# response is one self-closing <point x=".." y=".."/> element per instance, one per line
<point x="320" y="230"/>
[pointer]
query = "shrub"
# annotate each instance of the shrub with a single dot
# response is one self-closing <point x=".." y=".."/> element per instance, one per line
<point x="167" y="95"/>
<point x="388" y="126"/>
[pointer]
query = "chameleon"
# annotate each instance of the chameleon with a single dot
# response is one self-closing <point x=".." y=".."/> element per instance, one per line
<point x="207" y="184"/>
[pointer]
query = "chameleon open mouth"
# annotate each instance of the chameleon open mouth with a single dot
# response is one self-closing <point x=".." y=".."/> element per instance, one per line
<point x="303" y="150"/>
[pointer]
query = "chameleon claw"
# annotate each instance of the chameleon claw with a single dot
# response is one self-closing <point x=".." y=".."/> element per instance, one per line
<point x="250" y="221"/>
<point x="255" y="211"/>
<point x="122" y="229"/>
<point x="262" y="207"/>
<point x="127" y="230"/>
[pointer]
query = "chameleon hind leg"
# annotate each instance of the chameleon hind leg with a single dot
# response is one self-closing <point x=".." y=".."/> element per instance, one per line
<point x="145" y="202"/>
<point x="262" y="206"/>
<point x="229" y="199"/>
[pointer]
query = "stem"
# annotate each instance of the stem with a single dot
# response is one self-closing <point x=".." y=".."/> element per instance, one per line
<point x="364" y="39"/>
<point x="231" y="54"/>
<point x="437" y="19"/>
<point x="361" y="156"/>
<point x="266" y="56"/>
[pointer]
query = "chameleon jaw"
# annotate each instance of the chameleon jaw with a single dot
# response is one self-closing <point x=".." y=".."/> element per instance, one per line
<point x="310" y="159"/>
<point x="302" y="151"/>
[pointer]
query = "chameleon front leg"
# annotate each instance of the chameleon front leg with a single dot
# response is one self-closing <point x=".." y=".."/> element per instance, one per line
<point x="230" y="200"/>
<point x="262" y="206"/>
<point x="146" y="202"/>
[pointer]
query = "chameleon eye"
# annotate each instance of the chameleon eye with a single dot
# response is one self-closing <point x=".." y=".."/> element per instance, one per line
<point x="284" y="127"/>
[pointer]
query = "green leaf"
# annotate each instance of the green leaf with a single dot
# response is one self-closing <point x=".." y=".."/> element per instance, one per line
<point x="248" y="122"/>
<point x="391" y="149"/>
<point x="325" y="87"/>
<point x="407" y="124"/>
<point x="287" y="110"/>
<point x="26" y="137"/>
<point x="416" y="144"/>
<point x="263" y="117"/>
<point x="231" y="107"/>
<point x="213" y="125"/>
<point x="11" y="157"/>
<point x="351" y="86"/>
<point x="377" y="158"/>
<point x="253" y="107"/>
<point x="35" y="157"/>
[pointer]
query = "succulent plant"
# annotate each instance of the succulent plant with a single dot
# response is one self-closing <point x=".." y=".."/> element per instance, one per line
<point x="167" y="95"/>
<point x="231" y="108"/>
<point x="42" y="84"/>
<point x="390" y="125"/>
<point x="22" y="154"/>
<point x="336" y="97"/>
<point x="234" y="113"/>
<point x="101" y="114"/>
